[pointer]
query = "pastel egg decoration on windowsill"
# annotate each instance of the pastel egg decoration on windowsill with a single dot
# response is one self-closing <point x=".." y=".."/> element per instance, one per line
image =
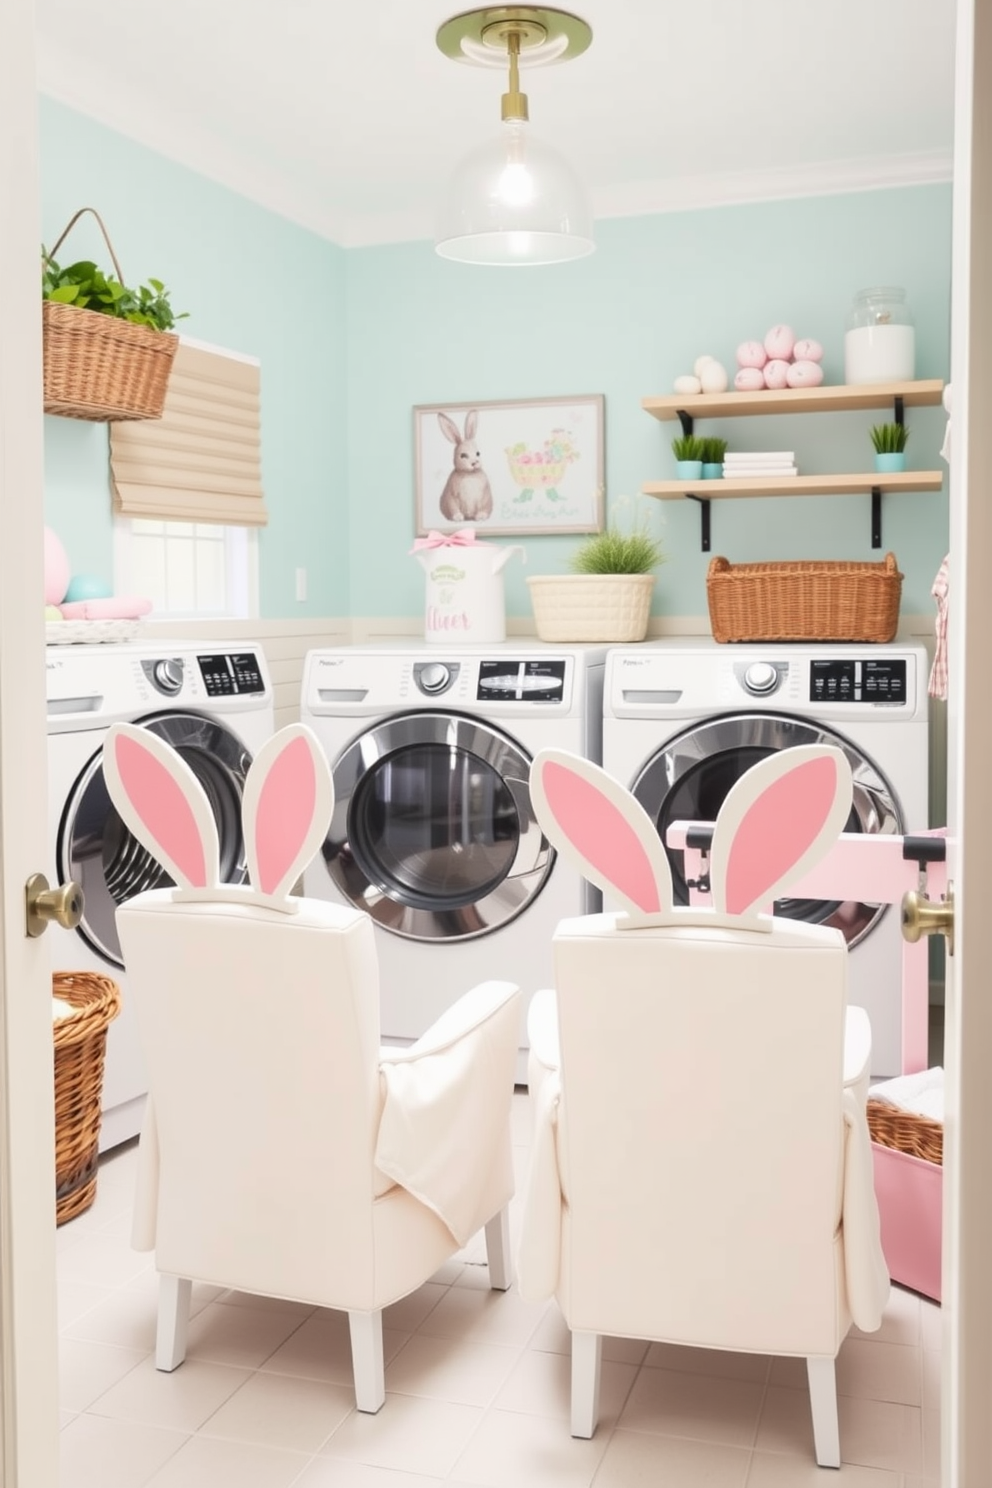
<point x="86" y="586"/>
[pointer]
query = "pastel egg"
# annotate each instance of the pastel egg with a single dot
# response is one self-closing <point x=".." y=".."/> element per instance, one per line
<point x="57" y="570"/>
<point x="749" y="379"/>
<point x="700" y="363"/>
<point x="779" y="342"/>
<point x="807" y="351"/>
<point x="751" y="354"/>
<point x="776" y="373"/>
<point x="805" y="374"/>
<point x="714" y="378"/>
<point x="52" y="612"/>
<point x="687" y="384"/>
<point x="86" y="586"/>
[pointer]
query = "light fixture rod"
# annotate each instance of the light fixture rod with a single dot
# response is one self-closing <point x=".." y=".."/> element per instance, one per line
<point x="514" y="103"/>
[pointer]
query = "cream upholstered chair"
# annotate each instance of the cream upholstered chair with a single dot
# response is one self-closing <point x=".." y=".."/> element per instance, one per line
<point x="284" y="1152"/>
<point x="701" y="1171"/>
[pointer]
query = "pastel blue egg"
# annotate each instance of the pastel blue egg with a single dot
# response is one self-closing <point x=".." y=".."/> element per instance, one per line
<point x="86" y="586"/>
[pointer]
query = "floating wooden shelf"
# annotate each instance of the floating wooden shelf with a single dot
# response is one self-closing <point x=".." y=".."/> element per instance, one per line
<point x="839" y="399"/>
<point x="797" y="485"/>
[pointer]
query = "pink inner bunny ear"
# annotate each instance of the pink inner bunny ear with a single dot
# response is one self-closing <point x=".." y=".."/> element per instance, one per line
<point x="161" y="807"/>
<point x="284" y="814"/>
<point x="777" y="830"/>
<point x="594" y="827"/>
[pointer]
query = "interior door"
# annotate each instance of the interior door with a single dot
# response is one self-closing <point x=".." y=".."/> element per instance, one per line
<point x="28" y="1335"/>
<point x="967" y="1272"/>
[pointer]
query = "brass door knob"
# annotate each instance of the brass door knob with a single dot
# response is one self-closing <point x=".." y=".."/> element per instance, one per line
<point x="922" y="916"/>
<point x="62" y="905"/>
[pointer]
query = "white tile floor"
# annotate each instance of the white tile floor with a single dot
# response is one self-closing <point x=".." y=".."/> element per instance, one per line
<point x="476" y="1382"/>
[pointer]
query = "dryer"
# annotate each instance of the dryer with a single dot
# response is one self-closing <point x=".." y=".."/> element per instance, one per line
<point x="684" y="719"/>
<point x="433" y="832"/>
<point x="214" y="704"/>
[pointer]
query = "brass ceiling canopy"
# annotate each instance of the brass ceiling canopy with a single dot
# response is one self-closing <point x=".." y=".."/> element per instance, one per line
<point x="482" y="38"/>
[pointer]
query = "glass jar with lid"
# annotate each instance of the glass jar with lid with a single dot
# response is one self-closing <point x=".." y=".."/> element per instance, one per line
<point x="879" y="341"/>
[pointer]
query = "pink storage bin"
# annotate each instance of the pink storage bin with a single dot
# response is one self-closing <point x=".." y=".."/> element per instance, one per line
<point x="910" y="1198"/>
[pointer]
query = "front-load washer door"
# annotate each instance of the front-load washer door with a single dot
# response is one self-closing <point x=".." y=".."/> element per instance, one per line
<point x="689" y="779"/>
<point x="96" y="849"/>
<point x="433" y="832"/>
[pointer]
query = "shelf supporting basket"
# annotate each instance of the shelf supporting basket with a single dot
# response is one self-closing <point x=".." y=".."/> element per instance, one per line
<point x="704" y="519"/>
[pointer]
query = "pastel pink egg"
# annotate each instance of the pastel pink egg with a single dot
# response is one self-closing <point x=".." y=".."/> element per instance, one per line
<point x="751" y="354"/>
<point x="749" y="379"/>
<point x="776" y="373"/>
<point x="807" y="351"/>
<point x="779" y="342"/>
<point x="805" y="374"/>
<point x="57" y="569"/>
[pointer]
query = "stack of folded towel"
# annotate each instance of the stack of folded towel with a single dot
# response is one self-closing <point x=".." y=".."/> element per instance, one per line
<point x="752" y="464"/>
<point x="921" y="1094"/>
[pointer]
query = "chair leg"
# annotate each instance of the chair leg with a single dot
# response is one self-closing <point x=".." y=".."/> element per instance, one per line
<point x="366" y="1360"/>
<point x="587" y="1355"/>
<point x="174" y="1294"/>
<point x="498" y="1251"/>
<point x="822" y="1375"/>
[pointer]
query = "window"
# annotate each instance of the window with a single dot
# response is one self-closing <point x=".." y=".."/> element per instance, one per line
<point x="187" y="569"/>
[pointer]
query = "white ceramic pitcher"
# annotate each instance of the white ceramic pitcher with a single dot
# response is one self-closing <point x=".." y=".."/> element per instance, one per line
<point x="465" y="603"/>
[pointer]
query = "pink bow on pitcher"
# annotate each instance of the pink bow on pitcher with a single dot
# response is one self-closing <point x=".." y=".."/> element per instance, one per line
<point x="463" y="538"/>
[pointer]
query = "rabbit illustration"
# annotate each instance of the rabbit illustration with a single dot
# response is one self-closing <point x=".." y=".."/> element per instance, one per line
<point x="286" y="810"/>
<point x="779" y="820"/>
<point x="467" y="496"/>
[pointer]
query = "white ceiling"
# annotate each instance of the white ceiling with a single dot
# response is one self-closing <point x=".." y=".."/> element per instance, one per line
<point x="346" y="118"/>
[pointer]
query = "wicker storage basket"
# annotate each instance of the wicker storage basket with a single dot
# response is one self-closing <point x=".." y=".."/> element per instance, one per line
<point x="99" y="368"/>
<point x="80" y="1045"/>
<point x="591" y="607"/>
<point x="804" y="601"/>
<point x="916" y="1135"/>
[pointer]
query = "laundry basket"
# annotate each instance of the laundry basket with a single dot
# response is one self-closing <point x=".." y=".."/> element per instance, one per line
<point x="80" y="1039"/>
<point x="907" y="1156"/>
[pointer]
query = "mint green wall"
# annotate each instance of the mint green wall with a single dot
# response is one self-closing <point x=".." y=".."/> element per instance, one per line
<point x="252" y="282"/>
<point x="659" y="292"/>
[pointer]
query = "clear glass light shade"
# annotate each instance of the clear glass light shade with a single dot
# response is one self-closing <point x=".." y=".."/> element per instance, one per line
<point x="514" y="200"/>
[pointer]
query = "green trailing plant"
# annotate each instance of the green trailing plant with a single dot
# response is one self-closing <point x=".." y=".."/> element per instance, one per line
<point x="889" y="439"/>
<point x="688" y="447"/>
<point x="616" y="551"/>
<point x="714" y="450"/>
<point x="86" y="287"/>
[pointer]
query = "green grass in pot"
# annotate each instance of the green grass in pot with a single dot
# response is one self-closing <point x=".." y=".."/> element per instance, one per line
<point x="688" y="447"/>
<point x="714" y="450"/>
<point x="86" y="287"/>
<point x="889" y="439"/>
<point x="614" y="552"/>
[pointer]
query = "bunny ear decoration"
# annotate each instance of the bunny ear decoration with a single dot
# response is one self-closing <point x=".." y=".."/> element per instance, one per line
<point x="286" y="811"/>
<point x="597" y="824"/>
<point x="776" y="823"/>
<point x="162" y="803"/>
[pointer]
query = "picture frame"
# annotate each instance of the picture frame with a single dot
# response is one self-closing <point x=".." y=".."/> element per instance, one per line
<point x="520" y="467"/>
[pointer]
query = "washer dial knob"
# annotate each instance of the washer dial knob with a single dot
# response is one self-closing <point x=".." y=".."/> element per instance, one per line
<point x="761" y="677"/>
<point x="434" y="677"/>
<point x="168" y="675"/>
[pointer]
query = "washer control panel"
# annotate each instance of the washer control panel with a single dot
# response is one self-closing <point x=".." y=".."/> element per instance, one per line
<point x="165" y="674"/>
<point x="523" y="681"/>
<point x="761" y="678"/>
<point x="857" y="681"/>
<point x="231" y="674"/>
<point x="435" y="677"/>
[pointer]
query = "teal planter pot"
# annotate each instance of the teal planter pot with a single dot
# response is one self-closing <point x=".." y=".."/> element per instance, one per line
<point x="712" y="472"/>
<point x="892" y="461"/>
<point x="689" y="470"/>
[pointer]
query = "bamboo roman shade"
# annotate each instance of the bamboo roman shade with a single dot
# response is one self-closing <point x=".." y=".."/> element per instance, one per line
<point x="201" y="461"/>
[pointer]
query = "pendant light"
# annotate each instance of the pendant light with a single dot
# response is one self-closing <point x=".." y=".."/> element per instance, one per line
<point x="514" y="201"/>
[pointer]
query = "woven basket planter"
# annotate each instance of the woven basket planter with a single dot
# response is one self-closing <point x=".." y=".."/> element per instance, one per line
<point x="591" y="607"/>
<point x="80" y="1040"/>
<point x="917" y="1136"/>
<point x="804" y="601"/>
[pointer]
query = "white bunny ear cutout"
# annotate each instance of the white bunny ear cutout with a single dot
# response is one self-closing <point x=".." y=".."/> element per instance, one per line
<point x="599" y="826"/>
<point x="162" y="803"/>
<point x="776" y="823"/>
<point x="286" y="811"/>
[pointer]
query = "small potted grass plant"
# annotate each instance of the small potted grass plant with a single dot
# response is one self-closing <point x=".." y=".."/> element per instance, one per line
<point x="890" y="446"/>
<point x="607" y="594"/>
<point x="688" y="452"/>
<point x="714" y="450"/>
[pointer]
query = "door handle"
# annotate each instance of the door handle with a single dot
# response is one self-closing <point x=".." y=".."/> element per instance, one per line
<point x="62" y="905"/>
<point x="922" y="916"/>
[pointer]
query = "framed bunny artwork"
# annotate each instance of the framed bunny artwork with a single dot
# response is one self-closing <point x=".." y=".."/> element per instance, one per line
<point x="533" y="466"/>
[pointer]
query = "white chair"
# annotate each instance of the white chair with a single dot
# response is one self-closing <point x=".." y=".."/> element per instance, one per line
<point x="701" y="1171"/>
<point x="284" y="1152"/>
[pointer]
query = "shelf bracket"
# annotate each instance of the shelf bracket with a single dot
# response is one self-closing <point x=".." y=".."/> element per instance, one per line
<point x="686" y="420"/>
<point x="704" y="520"/>
<point x="899" y="409"/>
<point x="876" y="516"/>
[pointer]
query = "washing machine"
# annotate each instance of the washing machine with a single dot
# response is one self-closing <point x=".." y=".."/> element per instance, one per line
<point x="434" y="832"/>
<point x="683" y="720"/>
<point x="214" y="704"/>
